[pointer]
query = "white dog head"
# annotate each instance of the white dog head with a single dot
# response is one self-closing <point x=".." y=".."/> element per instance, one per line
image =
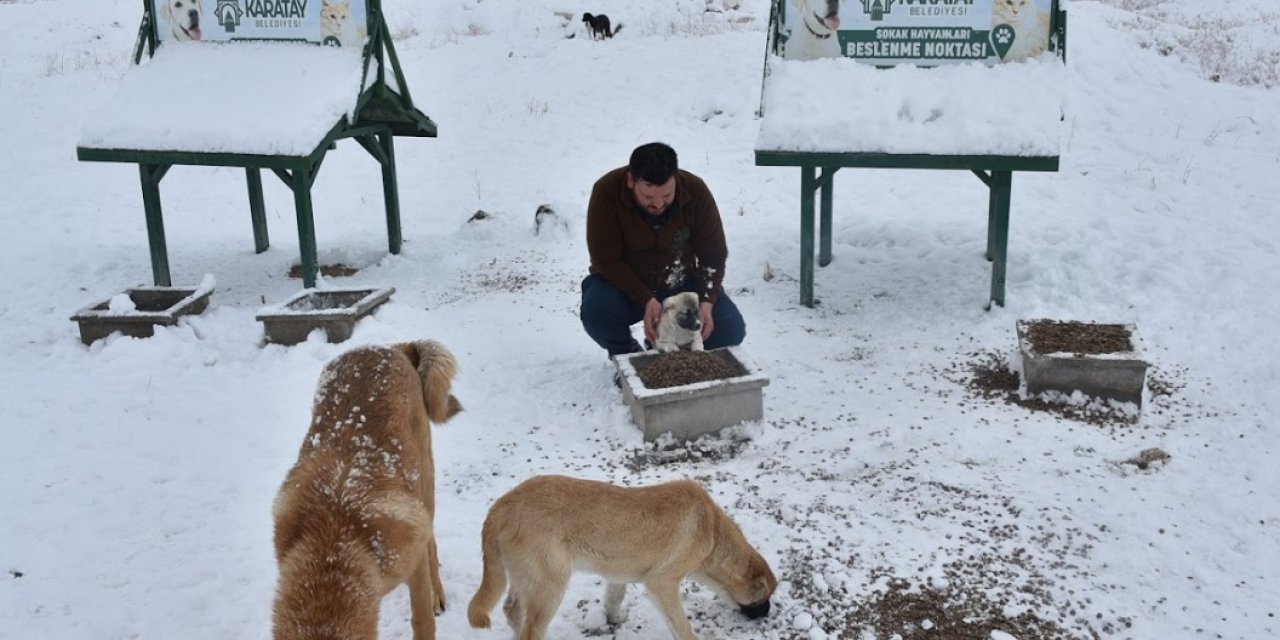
<point x="183" y="17"/>
<point x="679" y="326"/>
<point x="821" y="17"/>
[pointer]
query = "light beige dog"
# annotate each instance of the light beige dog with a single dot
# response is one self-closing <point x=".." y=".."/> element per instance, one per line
<point x="679" y="326"/>
<point x="183" y="18"/>
<point x="353" y="519"/>
<point x="537" y="534"/>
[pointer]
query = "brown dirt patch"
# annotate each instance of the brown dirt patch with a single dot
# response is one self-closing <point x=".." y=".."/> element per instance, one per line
<point x="988" y="376"/>
<point x="337" y="270"/>
<point x="941" y="615"/>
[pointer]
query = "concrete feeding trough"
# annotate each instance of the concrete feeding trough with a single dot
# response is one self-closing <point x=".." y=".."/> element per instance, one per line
<point x="1116" y="375"/>
<point x="334" y="310"/>
<point x="137" y="311"/>
<point x="691" y="410"/>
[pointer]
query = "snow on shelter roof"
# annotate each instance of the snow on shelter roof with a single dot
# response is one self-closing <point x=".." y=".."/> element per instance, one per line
<point x="260" y="98"/>
<point x="840" y="105"/>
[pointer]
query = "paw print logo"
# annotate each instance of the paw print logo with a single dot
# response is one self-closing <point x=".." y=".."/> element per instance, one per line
<point x="1002" y="36"/>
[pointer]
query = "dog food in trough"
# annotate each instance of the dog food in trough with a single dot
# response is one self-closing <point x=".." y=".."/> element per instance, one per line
<point x="1098" y="360"/>
<point x="334" y="310"/>
<point x="687" y="367"/>
<point x="693" y="408"/>
<point x="137" y="311"/>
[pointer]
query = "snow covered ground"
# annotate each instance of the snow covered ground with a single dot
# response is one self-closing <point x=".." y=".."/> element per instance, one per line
<point x="138" y="474"/>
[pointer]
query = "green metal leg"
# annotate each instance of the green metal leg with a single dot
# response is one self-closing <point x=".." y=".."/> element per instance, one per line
<point x="991" y="224"/>
<point x="807" y="184"/>
<point x="991" y="211"/>
<point x="151" y="175"/>
<point x="828" y="182"/>
<point x="301" y="183"/>
<point x="257" y="211"/>
<point x="1001" y="185"/>
<point x="390" y="191"/>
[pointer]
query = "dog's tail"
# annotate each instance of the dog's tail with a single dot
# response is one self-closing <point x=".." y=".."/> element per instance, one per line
<point x="494" y="580"/>
<point x="437" y="367"/>
<point x="616" y="30"/>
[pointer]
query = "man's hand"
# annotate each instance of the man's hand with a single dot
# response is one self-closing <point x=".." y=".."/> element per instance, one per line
<point x="652" y="313"/>
<point x="704" y="315"/>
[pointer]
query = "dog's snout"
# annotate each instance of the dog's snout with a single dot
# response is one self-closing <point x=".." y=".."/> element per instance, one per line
<point x="689" y="320"/>
<point x="756" y="611"/>
<point x="194" y="17"/>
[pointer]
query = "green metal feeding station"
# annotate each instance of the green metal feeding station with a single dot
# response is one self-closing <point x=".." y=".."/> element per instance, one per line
<point x="274" y="49"/>
<point x="873" y="39"/>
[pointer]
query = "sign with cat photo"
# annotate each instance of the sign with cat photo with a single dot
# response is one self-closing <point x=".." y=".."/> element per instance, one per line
<point x="328" y="22"/>
<point x="921" y="32"/>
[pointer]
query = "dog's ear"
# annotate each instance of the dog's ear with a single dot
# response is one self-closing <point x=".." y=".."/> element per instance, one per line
<point x="764" y="583"/>
<point x="437" y="367"/>
<point x="454" y="409"/>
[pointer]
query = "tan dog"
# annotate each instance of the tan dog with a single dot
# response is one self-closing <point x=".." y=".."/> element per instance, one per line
<point x="353" y="519"/>
<point x="679" y="326"/>
<point x="541" y="531"/>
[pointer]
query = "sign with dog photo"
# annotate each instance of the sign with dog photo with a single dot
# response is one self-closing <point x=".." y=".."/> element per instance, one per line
<point x="922" y="32"/>
<point x="328" y="22"/>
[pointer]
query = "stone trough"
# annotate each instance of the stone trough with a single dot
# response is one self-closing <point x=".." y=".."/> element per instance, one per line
<point x="689" y="411"/>
<point x="333" y="310"/>
<point x="144" y="309"/>
<point x="1119" y="376"/>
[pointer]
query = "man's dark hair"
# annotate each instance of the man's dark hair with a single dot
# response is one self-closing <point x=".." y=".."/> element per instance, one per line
<point x="654" y="163"/>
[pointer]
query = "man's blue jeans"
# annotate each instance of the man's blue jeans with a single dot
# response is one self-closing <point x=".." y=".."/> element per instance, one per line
<point x="607" y="315"/>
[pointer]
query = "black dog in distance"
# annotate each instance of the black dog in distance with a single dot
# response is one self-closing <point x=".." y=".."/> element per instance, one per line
<point x="599" y="27"/>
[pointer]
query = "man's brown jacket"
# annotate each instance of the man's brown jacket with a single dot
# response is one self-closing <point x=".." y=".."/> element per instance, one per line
<point x="687" y="252"/>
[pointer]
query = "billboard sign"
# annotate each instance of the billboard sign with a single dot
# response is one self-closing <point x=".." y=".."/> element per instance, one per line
<point x="923" y="32"/>
<point x="328" y="22"/>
